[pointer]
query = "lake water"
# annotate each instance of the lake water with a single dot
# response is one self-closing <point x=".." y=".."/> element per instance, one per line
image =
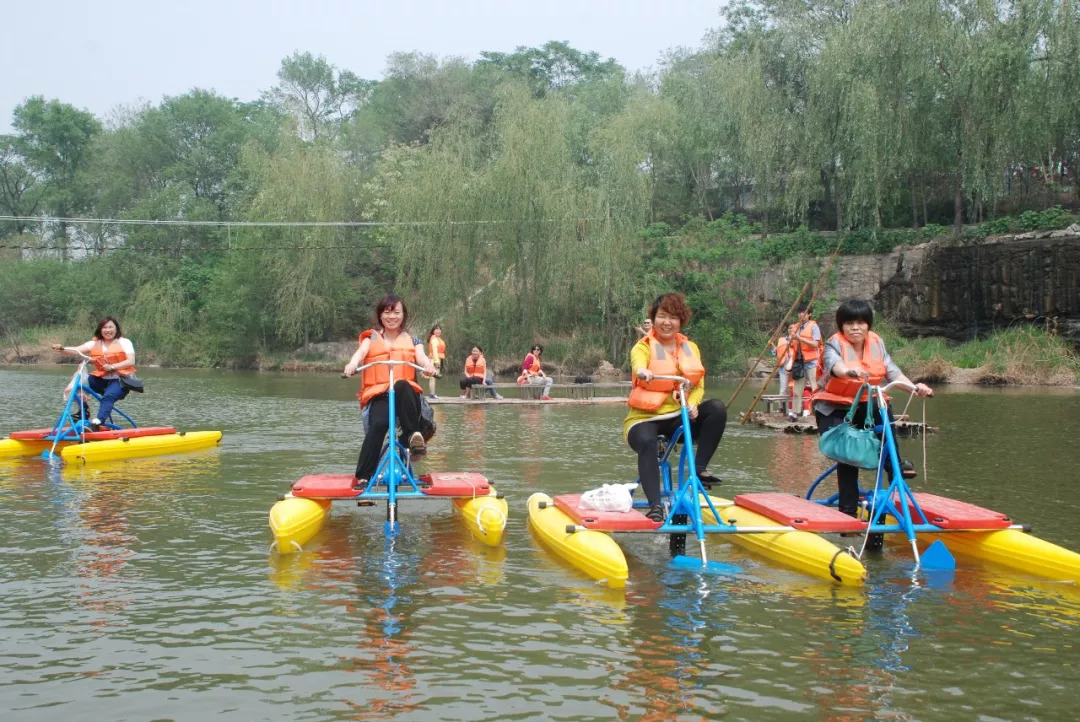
<point x="144" y="589"/>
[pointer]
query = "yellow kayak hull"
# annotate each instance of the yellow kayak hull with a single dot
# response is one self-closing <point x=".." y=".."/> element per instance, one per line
<point x="16" y="447"/>
<point x="1015" y="549"/>
<point x="113" y="449"/>
<point x="803" y="551"/>
<point x="294" y="521"/>
<point x="592" y="552"/>
<point x="485" y="516"/>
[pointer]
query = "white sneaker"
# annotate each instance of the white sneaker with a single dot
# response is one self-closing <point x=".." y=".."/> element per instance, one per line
<point x="792" y="416"/>
<point x="805" y="413"/>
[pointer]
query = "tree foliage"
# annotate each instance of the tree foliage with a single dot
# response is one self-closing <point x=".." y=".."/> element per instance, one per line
<point x="511" y="191"/>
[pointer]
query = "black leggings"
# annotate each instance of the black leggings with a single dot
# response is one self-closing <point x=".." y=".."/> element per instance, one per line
<point x="847" y="476"/>
<point x="706" y="431"/>
<point x="407" y="403"/>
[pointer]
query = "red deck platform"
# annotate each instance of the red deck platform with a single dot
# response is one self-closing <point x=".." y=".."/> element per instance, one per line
<point x="455" y="483"/>
<point x="340" y="486"/>
<point x="632" y="520"/>
<point x="799" y="513"/>
<point x="39" y="434"/>
<point x="953" y="514"/>
<point x="325" y="486"/>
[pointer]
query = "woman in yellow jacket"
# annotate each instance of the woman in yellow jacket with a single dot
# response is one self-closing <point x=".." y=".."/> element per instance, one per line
<point x="654" y="406"/>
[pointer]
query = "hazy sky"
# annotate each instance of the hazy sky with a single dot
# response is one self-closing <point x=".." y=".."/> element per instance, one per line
<point x="100" y="55"/>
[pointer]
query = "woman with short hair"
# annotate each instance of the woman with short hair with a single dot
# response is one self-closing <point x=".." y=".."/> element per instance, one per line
<point x="655" y="409"/>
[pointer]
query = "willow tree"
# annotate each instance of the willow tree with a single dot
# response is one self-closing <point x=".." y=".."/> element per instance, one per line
<point x="304" y="266"/>
<point x="439" y="228"/>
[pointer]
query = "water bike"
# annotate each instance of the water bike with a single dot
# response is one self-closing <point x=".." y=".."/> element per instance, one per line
<point x="937" y="523"/>
<point x="300" y="514"/>
<point x="72" y="439"/>
<point x="581" y="536"/>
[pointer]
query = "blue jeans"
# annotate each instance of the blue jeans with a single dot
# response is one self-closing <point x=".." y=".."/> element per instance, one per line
<point x="111" y="391"/>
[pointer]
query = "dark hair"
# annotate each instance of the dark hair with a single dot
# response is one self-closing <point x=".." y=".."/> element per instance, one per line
<point x="804" y="306"/>
<point x="389" y="301"/>
<point x="537" y="347"/>
<point x="102" y="322"/>
<point x="673" y="303"/>
<point x="432" y="331"/>
<point x="476" y="346"/>
<point x="854" y="309"/>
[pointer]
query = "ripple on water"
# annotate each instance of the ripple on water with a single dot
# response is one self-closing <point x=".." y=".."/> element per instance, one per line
<point x="144" y="589"/>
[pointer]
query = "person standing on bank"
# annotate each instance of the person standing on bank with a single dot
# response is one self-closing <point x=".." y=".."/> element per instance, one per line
<point x="855" y="354"/>
<point x="805" y="336"/>
<point x="113" y="356"/>
<point x="388" y="341"/>
<point x="437" y="351"/>
<point x="654" y="406"/>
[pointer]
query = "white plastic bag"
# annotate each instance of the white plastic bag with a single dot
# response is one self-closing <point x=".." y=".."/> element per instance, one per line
<point x="609" y="497"/>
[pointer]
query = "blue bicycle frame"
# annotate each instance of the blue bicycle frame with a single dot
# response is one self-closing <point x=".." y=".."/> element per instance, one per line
<point x="66" y="427"/>
<point x="887" y="498"/>
<point x="394" y="468"/>
<point x="687" y="490"/>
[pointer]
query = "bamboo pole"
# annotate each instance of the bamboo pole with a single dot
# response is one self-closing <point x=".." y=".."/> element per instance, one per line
<point x="817" y="287"/>
<point x="775" y="335"/>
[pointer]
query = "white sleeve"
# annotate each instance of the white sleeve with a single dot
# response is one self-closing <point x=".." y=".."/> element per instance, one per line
<point x="129" y="349"/>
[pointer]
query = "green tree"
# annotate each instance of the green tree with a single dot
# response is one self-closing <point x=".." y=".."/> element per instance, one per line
<point x="317" y="94"/>
<point x="55" y="140"/>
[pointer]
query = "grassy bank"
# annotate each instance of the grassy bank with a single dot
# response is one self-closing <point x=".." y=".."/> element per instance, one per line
<point x="1017" y="356"/>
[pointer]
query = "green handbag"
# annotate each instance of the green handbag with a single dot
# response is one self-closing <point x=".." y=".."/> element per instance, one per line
<point x="848" y="444"/>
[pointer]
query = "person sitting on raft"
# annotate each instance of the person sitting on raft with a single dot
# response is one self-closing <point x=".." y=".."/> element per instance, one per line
<point x="476" y="373"/>
<point x="437" y="349"/>
<point x="854" y="355"/>
<point x="654" y="406"/>
<point x="532" y="373"/>
<point x="113" y="356"/>
<point x="388" y="341"/>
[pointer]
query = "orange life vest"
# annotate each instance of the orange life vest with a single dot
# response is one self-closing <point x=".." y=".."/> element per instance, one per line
<point x="804" y="333"/>
<point x="438" y="349"/>
<point x="534" y="367"/>
<point x="782" y="345"/>
<point x="841" y="390"/>
<point x="476" y="368"/>
<point x="651" y="395"/>
<point x="376" y="380"/>
<point x="109" y="353"/>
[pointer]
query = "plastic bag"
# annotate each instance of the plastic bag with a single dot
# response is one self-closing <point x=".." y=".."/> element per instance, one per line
<point x="609" y="497"/>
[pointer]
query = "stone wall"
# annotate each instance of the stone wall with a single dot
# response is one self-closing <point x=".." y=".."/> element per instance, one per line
<point x="959" y="290"/>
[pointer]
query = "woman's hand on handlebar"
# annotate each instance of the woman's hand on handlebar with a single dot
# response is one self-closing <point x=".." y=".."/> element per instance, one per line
<point x="923" y="390"/>
<point x="645" y="375"/>
<point x="350" y="369"/>
<point x="58" y="347"/>
<point x="429" y="369"/>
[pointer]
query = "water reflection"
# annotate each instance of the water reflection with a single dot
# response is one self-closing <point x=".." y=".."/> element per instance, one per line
<point x="146" y="584"/>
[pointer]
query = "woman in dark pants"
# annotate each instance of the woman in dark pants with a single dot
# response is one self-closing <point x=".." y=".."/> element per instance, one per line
<point x="853" y="355"/>
<point x="654" y="405"/>
<point x="113" y="356"/>
<point x="389" y="340"/>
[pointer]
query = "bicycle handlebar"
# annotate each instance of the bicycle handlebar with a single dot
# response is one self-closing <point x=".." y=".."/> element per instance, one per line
<point x="664" y="377"/>
<point x="389" y="362"/>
